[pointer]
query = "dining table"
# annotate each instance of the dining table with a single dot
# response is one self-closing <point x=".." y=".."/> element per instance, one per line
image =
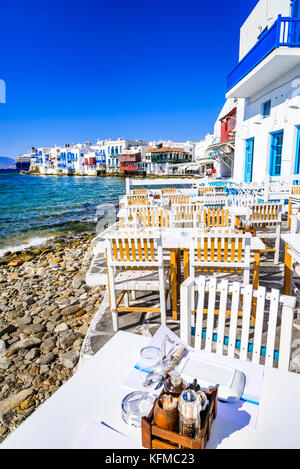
<point x="85" y="412"/>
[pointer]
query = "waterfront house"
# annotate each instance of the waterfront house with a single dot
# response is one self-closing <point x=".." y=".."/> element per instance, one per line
<point x="265" y="86"/>
<point x="166" y="160"/>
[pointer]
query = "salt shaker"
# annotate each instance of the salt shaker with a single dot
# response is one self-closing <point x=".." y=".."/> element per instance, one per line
<point x="189" y="407"/>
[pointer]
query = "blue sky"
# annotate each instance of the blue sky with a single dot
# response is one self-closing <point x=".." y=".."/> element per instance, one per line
<point x="79" y="70"/>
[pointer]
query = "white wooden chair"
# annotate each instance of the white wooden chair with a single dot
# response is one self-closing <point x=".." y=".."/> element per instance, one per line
<point x="135" y="263"/>
<point x="223" y="253"/>
<point x="152" y="217"/>
<point x="221" y="322"/>
<point x="266" y="219"/>
<point x="212" y="217"/>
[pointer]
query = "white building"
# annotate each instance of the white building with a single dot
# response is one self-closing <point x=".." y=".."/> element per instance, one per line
<point x="265" y="87"/>
<point x="188" y="146"/>
<point x="111" y="149"/>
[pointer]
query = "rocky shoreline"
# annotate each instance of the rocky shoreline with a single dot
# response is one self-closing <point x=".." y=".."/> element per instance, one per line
<point x="45" y="312"/>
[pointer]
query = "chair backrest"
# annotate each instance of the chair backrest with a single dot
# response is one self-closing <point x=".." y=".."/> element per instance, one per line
<point x="140" y="191"/>
<point x="221" y="252"/>
<point x="179" y="199"/>
<point x="183" y="215"/>
<point x="137" y="200"/>
<point x="295" y="190"/>
<point x="169" y="190"/>
<point x="221" y="322"/>
<point x="213" y="217"/>
<point x="266" y="213"/>
<point x="206" y="190"/>
<point x="153" y="217"/>
<point x="134" y="250"/>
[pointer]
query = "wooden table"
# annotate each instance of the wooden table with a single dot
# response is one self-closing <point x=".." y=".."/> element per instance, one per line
<point x="292" y="254"/>
<point x="96" y="392"/>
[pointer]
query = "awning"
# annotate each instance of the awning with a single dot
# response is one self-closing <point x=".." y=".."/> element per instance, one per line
<point x="219" y="148"/>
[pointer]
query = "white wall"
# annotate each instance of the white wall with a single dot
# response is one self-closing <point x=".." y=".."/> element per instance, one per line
<point x="264" y="14"/>
<point x="283" y="92"/>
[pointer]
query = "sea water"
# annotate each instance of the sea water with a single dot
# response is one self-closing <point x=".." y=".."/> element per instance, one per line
<point x="34" y="209"/>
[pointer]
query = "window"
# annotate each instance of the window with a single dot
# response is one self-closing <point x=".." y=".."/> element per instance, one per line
<point x="266" y="109"/>
<point x="276" y="153"/>
<point x="249" y="159"/>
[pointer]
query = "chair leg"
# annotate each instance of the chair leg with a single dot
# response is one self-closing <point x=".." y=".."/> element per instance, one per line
<point x="133" y="295"/>
<point x="277" y="246"/>
<point x="126" y="299"/>
<point x="162" y="297"/>
<point x="169" y="300"/>
<point x="112" y="300"/>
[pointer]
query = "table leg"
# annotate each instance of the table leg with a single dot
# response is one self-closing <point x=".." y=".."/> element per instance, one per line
<point x="173" y="282"/>
<point x="289" y="213"/>
<point x="256" y="270"/>
<point x="255" y="283"/>
<point x="186" y="263"/>
<point x="178" y="270"/>
<point x="287" y="271"/>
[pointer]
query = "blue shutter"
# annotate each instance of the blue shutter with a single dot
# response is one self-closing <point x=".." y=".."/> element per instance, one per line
<point x="276" y="153"/>
<point x="249" y="159"/>
<point x="297" y="155"/>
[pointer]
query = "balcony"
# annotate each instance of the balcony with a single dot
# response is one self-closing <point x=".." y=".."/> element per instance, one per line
<point x="276" y="53"/>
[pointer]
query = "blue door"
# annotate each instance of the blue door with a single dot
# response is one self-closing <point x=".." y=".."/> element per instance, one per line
<point x="249" y="159"/>
<point x="276" y="153"/>
<point x="297" y="155"/>
<point x="295" y="12"/>
<point x="295" y="25"/>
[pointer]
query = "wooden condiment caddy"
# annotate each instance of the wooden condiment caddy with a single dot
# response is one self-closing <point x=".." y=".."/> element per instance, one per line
<point x="154" y="437"/>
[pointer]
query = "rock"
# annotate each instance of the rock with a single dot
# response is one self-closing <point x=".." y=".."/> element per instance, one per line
<point x="48" y="345"/>
<point x="11" y="403"/>
<point x="44" y="369"/>
<point x="62" y="327"/>
<point x="77" y="282"/>
<point x="70" y="359"/>
<point x="66" y="339"/>
<point x="32" y="329"/>
<point x="24" y="321"/>
<point x="57" y="261"/>
<point x="5" y="364"/>
<point x="2" y="348"/>
<point x="46" y="359"/>
<point x="7" y="330"/>
<point x="70" y="310"/>
<point x="25" y="343"/>
<point x="32" y="354"/>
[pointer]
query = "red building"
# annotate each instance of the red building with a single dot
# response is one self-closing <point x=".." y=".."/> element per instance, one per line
<point x="228" y="123"/>
<point x="130" y="162"/>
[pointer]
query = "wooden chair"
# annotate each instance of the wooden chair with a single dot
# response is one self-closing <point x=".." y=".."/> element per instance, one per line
<point x="136" y="200"/>
<point x="135" y="263"/>
<point x="204" y="190"/>
<point x="212" y="217"/>
<point x="221" y="253"/>
<point x="140" y="191"/>
<point x="221" y="322"/>
<point x="179" y="199"/>
<point x="153" y="217"/>
<point x="169" y="190"/>
<point x="183" y="215"/>
<point x="266" y="220"/>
